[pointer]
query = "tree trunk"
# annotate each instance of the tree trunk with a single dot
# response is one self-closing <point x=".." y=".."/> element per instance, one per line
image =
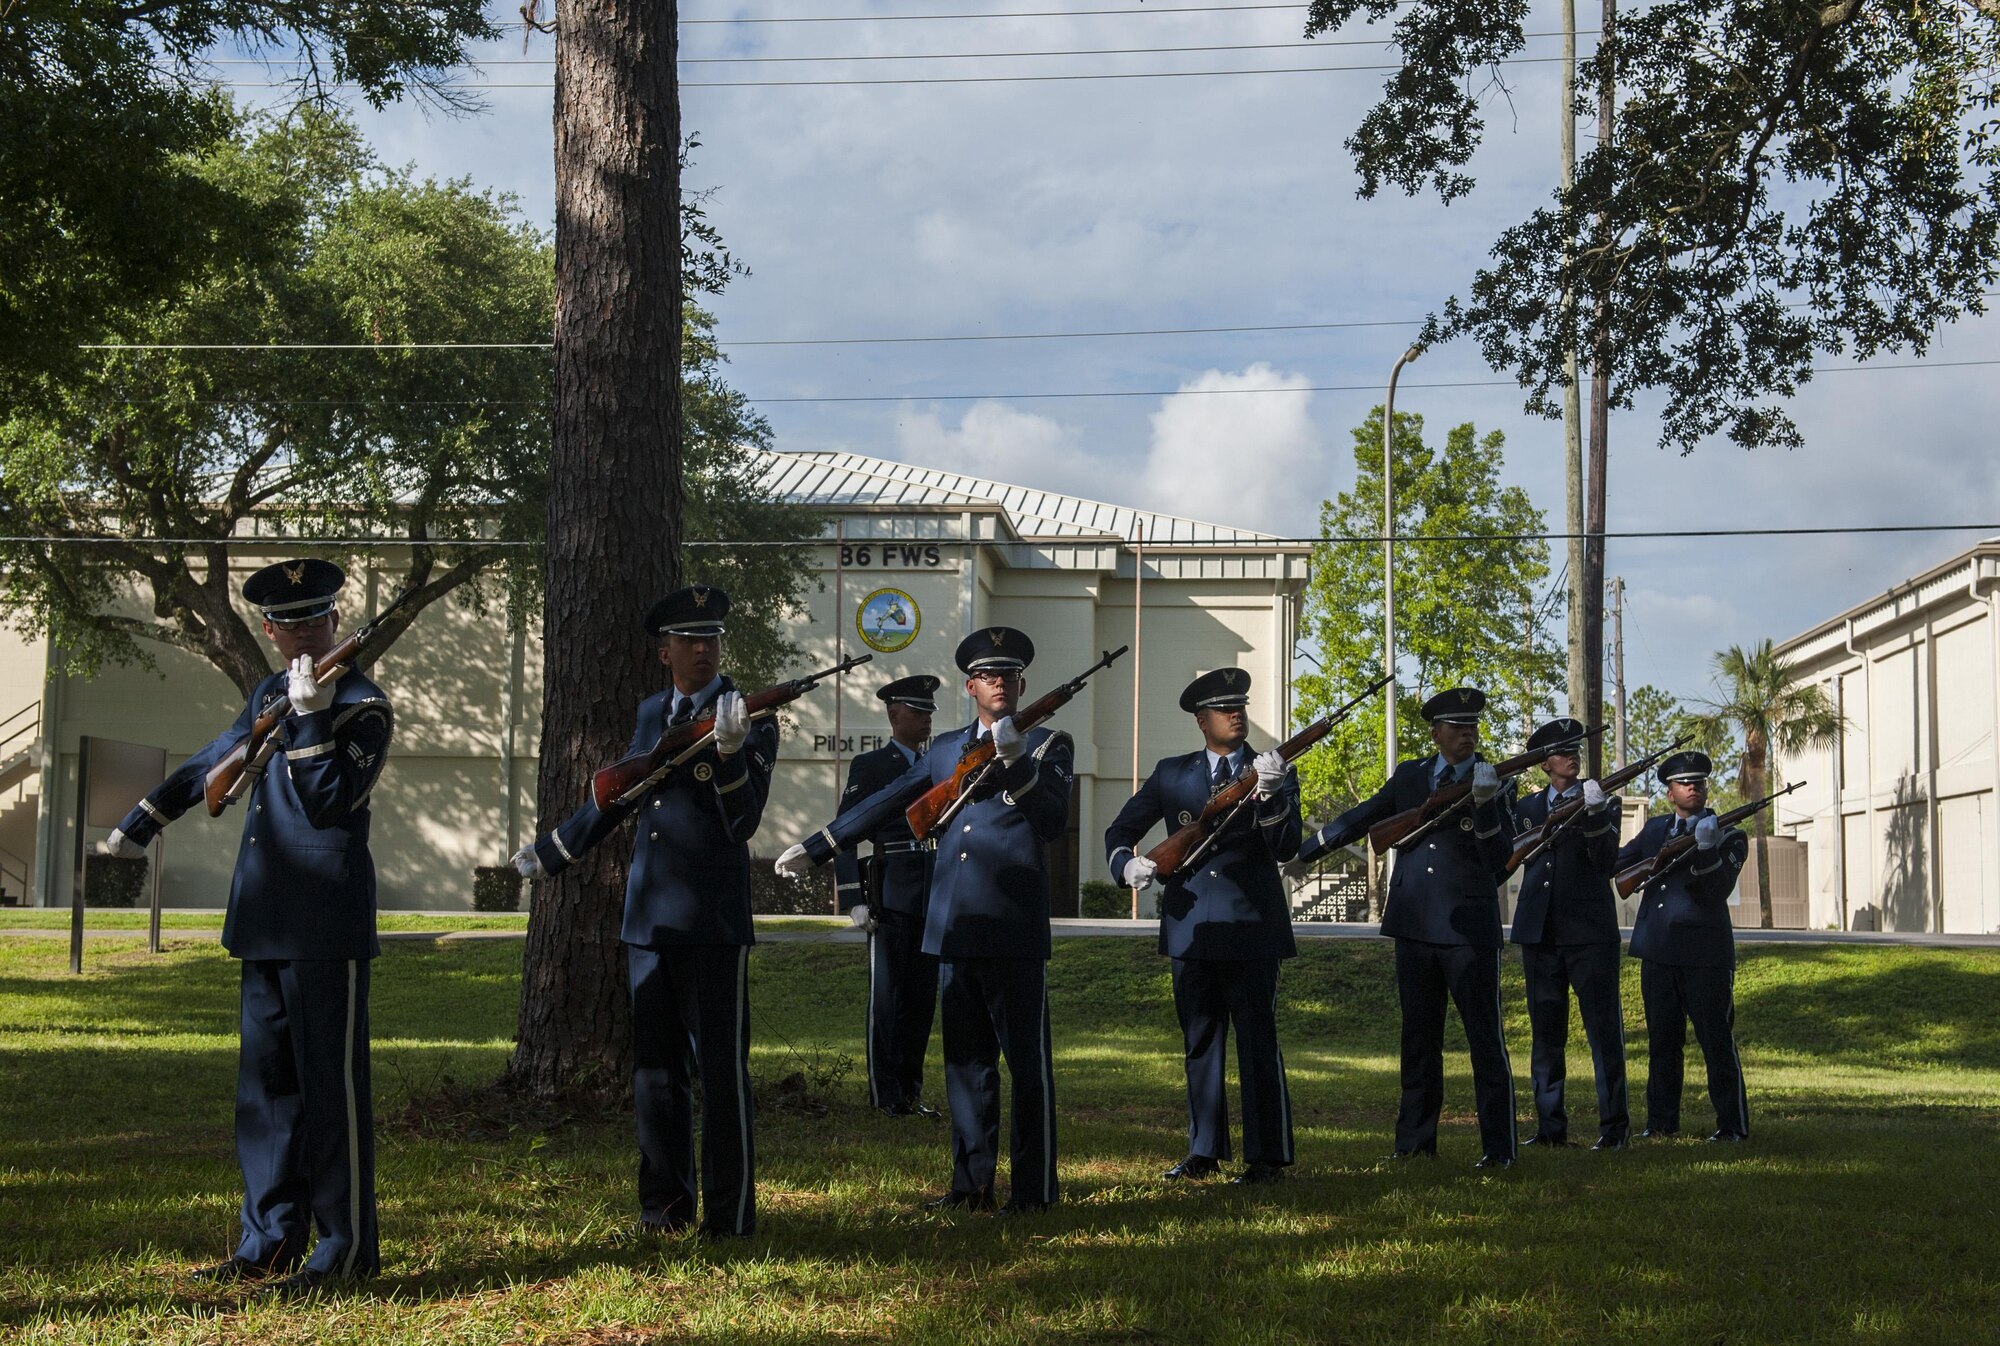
<point x="1600" y="434"/>
<point x="614" y="502"/>
<point x="1756" y="749"/>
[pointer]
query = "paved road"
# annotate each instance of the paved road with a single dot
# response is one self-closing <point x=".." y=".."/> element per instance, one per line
<point x="837" y="931"/>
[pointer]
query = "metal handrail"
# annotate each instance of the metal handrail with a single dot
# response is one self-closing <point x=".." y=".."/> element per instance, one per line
<point x="7" y="736"/>
<point x="18" y="870"/>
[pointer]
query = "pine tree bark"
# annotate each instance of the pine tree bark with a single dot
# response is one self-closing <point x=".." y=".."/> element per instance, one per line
<point x="614" y="503"/>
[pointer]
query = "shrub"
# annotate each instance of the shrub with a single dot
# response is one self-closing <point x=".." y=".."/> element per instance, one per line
<point x="1101" y="900"/>
<point x="111" y="882"/>
<point x="772" y="894"/>
<point x="496" y="888"/>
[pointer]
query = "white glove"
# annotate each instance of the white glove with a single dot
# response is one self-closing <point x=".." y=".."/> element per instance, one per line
<point x="1270" y="767"/>
<point x="1008" y="742"/>
<point x="795" y="863"/>
<point x="1707" y="833"/>
<point x="732" y="723"/>
<point x="120" y="846"/>
<point x="859" y="915"/>
<point x="1594" y="797"/>
<point x="528" y="863"/>
<point x="1139" y="872"/>
<point x="304" y="689"/>
<point x="1485" y="782"/>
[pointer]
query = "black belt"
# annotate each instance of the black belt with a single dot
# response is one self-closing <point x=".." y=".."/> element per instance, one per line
<point x="904" y="848"/>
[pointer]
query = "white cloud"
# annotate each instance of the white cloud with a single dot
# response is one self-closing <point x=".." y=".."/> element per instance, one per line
<point x="994" y="441"/>
<point x="1250" y="460"/>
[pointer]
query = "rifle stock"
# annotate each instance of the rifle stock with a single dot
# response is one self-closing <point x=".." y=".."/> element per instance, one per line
<point x="1187" y="844"/>
<point x="1412" y="823"/>
<point x="934" y="807"/>
<point x="1562" y="817"/>
<point x="1634" y="877"/>
<point x="232" y="777"/>
<point x="633" y="775"/>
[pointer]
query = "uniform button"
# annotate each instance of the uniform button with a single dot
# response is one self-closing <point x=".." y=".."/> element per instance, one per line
<point x="1545" y="883"/>
<point x="1429" y="870"/>
<point x="963" y="856"/>
<point x="656" y="803"/>
<point x="968" y="827"/>
<point x="253" y="841"/>
<point x="653" y="835"/>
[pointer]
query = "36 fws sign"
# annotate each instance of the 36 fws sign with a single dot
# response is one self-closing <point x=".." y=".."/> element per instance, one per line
<point x="892" y="555"/>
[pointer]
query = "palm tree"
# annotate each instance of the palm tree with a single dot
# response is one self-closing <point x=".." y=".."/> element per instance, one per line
<point x="1765" y="703"/>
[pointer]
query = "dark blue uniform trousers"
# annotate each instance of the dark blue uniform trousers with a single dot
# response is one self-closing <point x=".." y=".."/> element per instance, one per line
<point x="305" y="1129"/>
<point x="902" y="1000"/>
<point x="996" y="1007"/>
<point x="1551" y="970"/>
<point x="1426" y="975"/>
<point x="691" y="1013"/>
<point x="1210" y="995"/>
<point x="1707" y="996"/>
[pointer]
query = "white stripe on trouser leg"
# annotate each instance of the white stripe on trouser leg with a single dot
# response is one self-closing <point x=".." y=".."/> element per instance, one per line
<point x="1742" y="1088"/>
<point x="743" y="1078"/>
<point x="868" y="1046"/>
<point x="1284" y="1089"/>
<point x="1506" y="1060"/>
<point x="1046" y="1047"/>
<point x="353" y="1134"/>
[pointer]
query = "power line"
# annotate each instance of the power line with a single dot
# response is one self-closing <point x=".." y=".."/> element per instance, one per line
<point x="1002" y="14"/>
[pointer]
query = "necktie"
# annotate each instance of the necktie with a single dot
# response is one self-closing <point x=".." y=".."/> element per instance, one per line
<point x="683" y="710"/>
<point x="1223" y="774"/>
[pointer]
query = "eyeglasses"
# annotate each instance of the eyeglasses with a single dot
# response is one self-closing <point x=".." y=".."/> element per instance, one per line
<point x="994" y="675"/>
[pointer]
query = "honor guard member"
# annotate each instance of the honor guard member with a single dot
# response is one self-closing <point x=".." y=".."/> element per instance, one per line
<point x="1443" y="911"/>
<point x="887" y="895"/>
<point x="1225" y="924"/>
<point x="1566" y="923"/>
<point x="687" y="926"/>
<point x="988" y="923"/>
<point x="1687" y="953"/>
<point x="301" y="923"/>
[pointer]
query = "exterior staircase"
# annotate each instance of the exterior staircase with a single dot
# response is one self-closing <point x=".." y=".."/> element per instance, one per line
<point x="20" y="771"/>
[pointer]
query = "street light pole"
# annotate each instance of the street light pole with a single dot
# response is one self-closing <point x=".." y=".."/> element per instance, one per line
<point x="1389" y="562"/>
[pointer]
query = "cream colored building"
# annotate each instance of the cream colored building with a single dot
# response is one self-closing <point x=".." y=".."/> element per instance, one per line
<point x="1900" y="817"/>
<point x="915" y="560"/>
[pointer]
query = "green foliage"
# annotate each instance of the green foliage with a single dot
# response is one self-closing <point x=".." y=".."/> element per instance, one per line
<point x="1785" y="181"/>
<point x="113" y="881"/>
<point x="1103" y="900"/>
<point x="105" y="205"/>
<point x="1466" y="613"/>
<point x="496" y="888"/>
<point x="379" y="432"/>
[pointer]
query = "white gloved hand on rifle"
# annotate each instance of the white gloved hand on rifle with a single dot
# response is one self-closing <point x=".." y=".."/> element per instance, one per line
<point x="1594" y="797"/>
<point x="1008" y="742"/>
<point x="528" y="863"/>
<point x="303" y="689"/>
<point x="1485" y="782"/>
<point x="795" y="863"/>
<point x="1139" y="872"/>
<point x="120" y="846"/>
<point x="1270" y="768"/>
<point x="732" y="723"/>
<point x="1707" y="833"/>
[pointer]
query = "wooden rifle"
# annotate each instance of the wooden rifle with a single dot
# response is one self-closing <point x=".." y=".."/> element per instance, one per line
<point x="1655" y="866"/>
<point x="236" y="774"/>
<point x="1187" y="847"/>
<point x="1563" y="817"/>
<point x="1413" y="825"/>
<point x="629" y="778"/>
<point x="976" y="759"/>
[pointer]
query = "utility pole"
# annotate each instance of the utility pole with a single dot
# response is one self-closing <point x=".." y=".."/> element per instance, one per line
<point x="1572" y="411"/>
<point x="1618" y="668"/>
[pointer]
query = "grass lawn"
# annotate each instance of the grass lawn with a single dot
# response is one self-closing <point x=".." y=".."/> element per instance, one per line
<point x="1862" y="1210"/>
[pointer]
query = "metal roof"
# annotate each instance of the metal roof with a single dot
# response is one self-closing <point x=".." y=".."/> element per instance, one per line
<point x="829" y="478"/>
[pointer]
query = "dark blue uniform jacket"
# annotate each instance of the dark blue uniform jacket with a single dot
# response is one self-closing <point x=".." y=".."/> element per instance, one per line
<point x="1446" y="888"/>
<point x="1231" y="905"/>
<point x="305" y="884"/>
<point x="905" y="869"/>
<point x="1566" y="895"/>
<point x="990" y="893"/>
<point x="690" y="877"/>
<point x="1683" y="916"/>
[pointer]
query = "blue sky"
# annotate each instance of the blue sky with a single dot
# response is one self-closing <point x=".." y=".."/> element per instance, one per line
<point x="1208" y="201"/>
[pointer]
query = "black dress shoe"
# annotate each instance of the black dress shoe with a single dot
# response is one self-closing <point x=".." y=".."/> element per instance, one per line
<point x="1655" y="1133"/>
<point x="921" y="1109"/>
<point x="712" y="1232"/>
<point x="1021" y="1206"/>
<point x="1544" y="1138"/>
<point x="1194" y="1166"/>
<point x="1426" y="1152"/>
<point x="1256" y="1174"/>
<point x="1494" y="1161"/>
<point x="896" y="1109"/>
<point x="304" y="1283"/>
<point x="235" y="1269"/>
<point x="1609" y="1143"/>
<point x="981" y="1200"/>
<point x="671" y="1227"/>
<point x="1727" y="1138"/>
